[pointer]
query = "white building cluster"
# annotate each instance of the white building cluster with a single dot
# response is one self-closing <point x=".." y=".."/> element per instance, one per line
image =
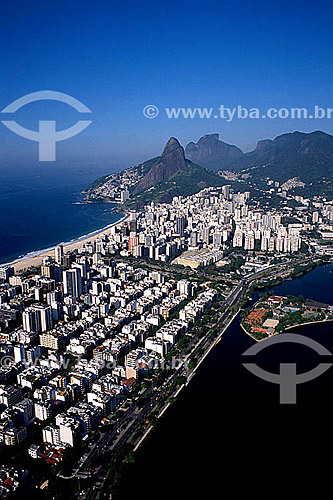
<point x="79" y="334"/>
<point x="85" y="336"/>
<point x="268" y="231"/>
<point x="199" y="226"/>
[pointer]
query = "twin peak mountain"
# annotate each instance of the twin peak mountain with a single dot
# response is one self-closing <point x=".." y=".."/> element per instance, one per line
<point x="170" y="162"/>
<point x="309" y="157"/>
<point x="296" y="154"/>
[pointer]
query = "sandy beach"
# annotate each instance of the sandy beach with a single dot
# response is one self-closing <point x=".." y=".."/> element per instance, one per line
<point x="37" y="258"/>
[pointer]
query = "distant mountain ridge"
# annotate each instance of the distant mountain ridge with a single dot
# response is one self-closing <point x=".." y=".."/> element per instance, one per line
<point x="158" y="179"/>
<point x="210" y="152"/>
<point x="306" y="157"/>
<point x="296" y="154"/>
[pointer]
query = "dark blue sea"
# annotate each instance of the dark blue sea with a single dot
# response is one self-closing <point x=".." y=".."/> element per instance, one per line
<point x="40" y="206"/>
<point x="227" y="434"/>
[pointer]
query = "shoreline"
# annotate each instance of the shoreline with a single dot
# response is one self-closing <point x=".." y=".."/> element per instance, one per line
<point x="309" y="323"/>
<point x="287" y="328"/>
<point x="35" y="258"/>
<point x="189" y="378"/>
<point x="271" y="287"/>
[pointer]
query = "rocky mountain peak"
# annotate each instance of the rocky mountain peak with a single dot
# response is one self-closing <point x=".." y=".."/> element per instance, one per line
<point x="171" y="160"/>
<point x="171" y="146"/>
<point x="211" y="152"/>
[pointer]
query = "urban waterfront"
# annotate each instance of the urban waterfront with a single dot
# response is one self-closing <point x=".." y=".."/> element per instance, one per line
<point x="227" y="420"/>
<point x="106" y="302"/>
<point x="42" y="207"/>
<point x="166" y="250"/>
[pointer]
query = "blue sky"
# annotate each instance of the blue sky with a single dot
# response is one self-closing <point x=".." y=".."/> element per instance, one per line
<point x="118" y="57"/>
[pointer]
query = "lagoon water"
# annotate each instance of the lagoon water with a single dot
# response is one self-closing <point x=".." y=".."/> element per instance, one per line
<point x="227" y="429"/>
<point x="228" y="435"/>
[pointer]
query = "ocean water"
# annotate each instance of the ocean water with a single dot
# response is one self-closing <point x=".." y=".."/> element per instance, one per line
<point x="227" y="431"/>
<point x="41" y="205"/>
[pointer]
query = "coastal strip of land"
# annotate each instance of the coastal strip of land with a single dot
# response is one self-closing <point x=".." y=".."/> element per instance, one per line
<point x="35" y="259"/>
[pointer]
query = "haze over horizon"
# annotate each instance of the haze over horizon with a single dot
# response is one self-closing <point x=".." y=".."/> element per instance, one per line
<point x="166" y="201"/>
<point x="117" y="61"/>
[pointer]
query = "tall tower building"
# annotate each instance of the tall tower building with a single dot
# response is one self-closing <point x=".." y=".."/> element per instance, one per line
<point x="72" y="282"/>
<point x="30" y="320"/>
<point x="205" y="235"/>
<point x="45" y="317"/>
<point x="37" y="318"/>
<point x="315" y="217"/>
<point x="238" y="238"/>
<point x="58" y="254"/>
<point x="249" y="241"/>
<point x="217" y="240"/>
<point x="193" y="239"/>
<point x="133" y="226"/>
<point x="124" y="195"/>
<point x="6" y="272"/>
<point x="180" y="225"/>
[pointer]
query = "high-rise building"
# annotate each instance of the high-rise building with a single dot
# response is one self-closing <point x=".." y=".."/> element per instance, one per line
<point x="83" y="268"/>
<point x="45" y="317"/>
<point x="205" y="235"/>
<point x="226" y="191"/>
<point x="193" y="239"/>
<point x="184" y="286"/>
<point x="11" y="395"/>
<point x="132" y="361"/>
<point x="25" y="411"/>
<point x="29" y="320"/>
<point x="238" y="214"/>
<point x="264" y="244"/>
<point x="133" y="226"/>
<point x="58" y="254"/>
<point x="217" y="240"/>
<point x="68" y="429"/>
<point x="47" y="270"/>
<point x="124" y="195"/>
<point x="132" y="243"/>
<point x="271" y="244"/>
<point x="72" y="282"/>
<point x="249" y="241"/>
<point x="37" y="318"/>
<point x="23" y="354"/>
<point x="51" y="434"/>
<point x="180" y="225"/>
<point x="238" y="238"/>
<point x="43" y="410"/>
<point x="51" y="341"/>
<point x="6" y="272"/>
<point x="315" y="217"/>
